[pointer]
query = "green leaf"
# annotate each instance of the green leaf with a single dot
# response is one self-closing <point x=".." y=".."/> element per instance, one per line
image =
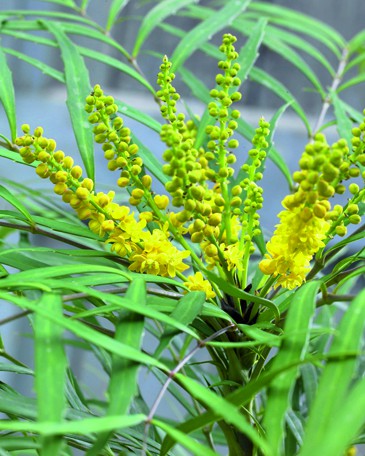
<point x="11" y="199"/>
<point x="13" y="156"/>
<point x="161" y="11"/>
<point x="297" y="42"/>
<point x="352" y="82"/>
<point x="150" y="161"/>
<point x="344" y="124"/>
<point x="125" y="109"/>
<point x="231" y="290"/>
<point x="263" y="78"/>
<point x="345" y="431"/>
<point x="293" y="19"/>
<point x="186" y="310"/>
<point x="225" y="410"/>
<point x="192" y="445"/>
<point x="248" y="54"/>
<point x="334" y="386"/>
<point x="124" y="374"/>
<point x="240" y="396"/>
<point x="68" y="3"/>
<point x="94" y="34"/>
<point x="78" y="87"/>
<point x="114" y="10"/>
<point x="43" y="67"/>
<point x="7" y="96"/>
<point x="78" y="427"/>
<point x="115" y="63"/>
<point x="289" y="54"/>
<point x="293" y="348"/>
<point x="356" y="42"/>
<point x="202" y="32"/>
<point x="50" y="368"/>
<point x="86" y="333"/>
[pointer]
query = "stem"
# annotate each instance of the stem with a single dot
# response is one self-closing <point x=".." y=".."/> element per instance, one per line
<point x="171" y="375"/>
<point x="335" y="83"/>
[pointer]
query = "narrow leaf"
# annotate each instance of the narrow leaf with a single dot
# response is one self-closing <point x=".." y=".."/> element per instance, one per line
<point x="7" y="96"/>
<point x="335" y="381"/>
<point x="78" y="87"/>
<point x="124" y="375"/>
<point x="114" y="10"/>
<point x="202" y="32"/>
<point x="344" y="124"/>
<point x="78" y="427"/>
<point x="180" y="437"/>
<point x="43" y="67"/>
<point x="248" y="54"/>
<point x="50" y="369"/>
<point x="156" y="15"/>
<point x="186" y="310"/>
<point x="293" y="349"/>
<point x="13" y="200"/>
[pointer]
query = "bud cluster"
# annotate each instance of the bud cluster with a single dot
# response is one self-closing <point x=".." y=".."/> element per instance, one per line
<point x="121" y="153"/>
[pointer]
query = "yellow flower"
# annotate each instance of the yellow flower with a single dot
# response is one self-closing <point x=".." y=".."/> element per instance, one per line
<point x="158" y="256"/>
<point x="298" y="236"/>
<point x="197" y="282"/>
<point x="233" y="255"/>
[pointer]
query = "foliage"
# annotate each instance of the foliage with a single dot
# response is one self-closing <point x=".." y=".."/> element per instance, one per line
<point x="149" y="287"/>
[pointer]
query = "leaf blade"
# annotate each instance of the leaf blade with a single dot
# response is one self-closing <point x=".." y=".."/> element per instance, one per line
<point x="78" y="87"/>
<point x="199" y="34"/>
<point x="7" y="95"/>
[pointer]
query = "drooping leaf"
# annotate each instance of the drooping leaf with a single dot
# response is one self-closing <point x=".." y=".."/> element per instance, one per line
<point x="114" y="10"/>
<point x="7" y="96"/>
<point x="344" y="124"/>
<point x="78" y="87"/>
<point x="14" y="201"/>
<point x="43" y="67"/>
<point x="161" y="11"/>
<point x="201" y="33"/>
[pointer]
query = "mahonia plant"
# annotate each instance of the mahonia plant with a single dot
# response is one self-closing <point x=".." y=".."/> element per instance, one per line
<point x="206" y="203"/>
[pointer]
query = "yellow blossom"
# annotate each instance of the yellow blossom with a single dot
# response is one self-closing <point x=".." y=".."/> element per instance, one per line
<point x="197" y="282"/>
<point x="158" y="256"/>
<point x="298" y="236"/>
<point x="233" y="255"/>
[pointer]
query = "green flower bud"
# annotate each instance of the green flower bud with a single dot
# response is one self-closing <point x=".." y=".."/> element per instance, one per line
<point x="354" y="189"/>
<point x="42" y="170"/>
<point x="60" y="188"/>
<point x="355" y="219"/>
<point x="25" y="128"/>
<point x="341" y="230"/>
<point x="197" y="237"/>
<point x="137" y="193"/>
<point x="76" y="172"/>
<point x="38" y="132"/>
<point x="352" y="209"/>
<point x="123" y="182"/>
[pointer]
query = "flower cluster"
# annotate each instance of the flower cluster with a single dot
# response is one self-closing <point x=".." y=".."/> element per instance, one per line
<point x="147" y="252"/>
<point x="308" y="223"/>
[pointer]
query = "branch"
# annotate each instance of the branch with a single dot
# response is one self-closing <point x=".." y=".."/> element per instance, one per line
<point x="335" y="83"/>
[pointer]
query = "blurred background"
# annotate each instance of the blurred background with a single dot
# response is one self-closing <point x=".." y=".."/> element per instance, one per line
<point x="41" y="101"/>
